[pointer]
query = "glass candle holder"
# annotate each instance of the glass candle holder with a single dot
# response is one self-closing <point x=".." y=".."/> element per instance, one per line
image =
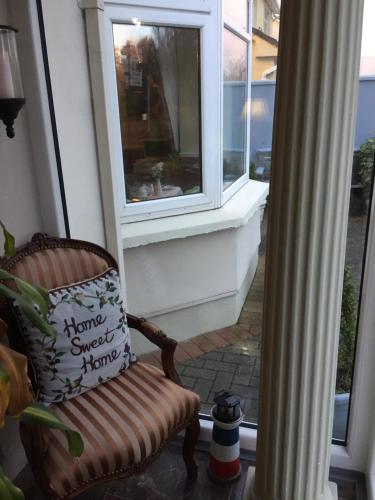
<point x="11" y="89"/>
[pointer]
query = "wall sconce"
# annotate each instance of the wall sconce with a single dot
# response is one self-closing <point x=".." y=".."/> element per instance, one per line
<point x="11" y="91"/>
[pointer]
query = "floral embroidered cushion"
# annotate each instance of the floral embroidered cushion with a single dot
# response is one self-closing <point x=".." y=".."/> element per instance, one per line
<point x="92" y="343"/>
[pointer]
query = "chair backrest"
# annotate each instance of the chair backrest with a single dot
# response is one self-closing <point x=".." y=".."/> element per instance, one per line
<point x="52" y="262"/>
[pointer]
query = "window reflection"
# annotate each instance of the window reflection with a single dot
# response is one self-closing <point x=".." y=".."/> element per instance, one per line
<point x="237" y="11"/>
<point x="235" y="107"/>
<point x="158" y="73"/>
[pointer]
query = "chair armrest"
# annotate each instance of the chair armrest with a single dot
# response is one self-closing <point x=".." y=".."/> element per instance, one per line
<point x="167" y="345"/>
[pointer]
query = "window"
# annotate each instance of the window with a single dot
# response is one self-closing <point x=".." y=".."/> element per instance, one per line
<point x="237" y="12"/>
<point x="236" y="96"/>
<point x="157" y="72"/>
<point x="235" y="112"/>
<point x="179" y="94"/>
<point x="267" y="20"/>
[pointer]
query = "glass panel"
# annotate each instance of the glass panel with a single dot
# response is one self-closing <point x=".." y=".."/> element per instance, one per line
<point x="237" y="11"/>
<point x="235" y="108"/>
<point x="265" y="37"/>
<point x="359" y="215"/>
<point x="265" y="19"/>
<point x="158" y="82"/>
<point x="229" y="358"/>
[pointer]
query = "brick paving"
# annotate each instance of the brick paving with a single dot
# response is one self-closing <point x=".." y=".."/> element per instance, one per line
<point x="228" y="358"/>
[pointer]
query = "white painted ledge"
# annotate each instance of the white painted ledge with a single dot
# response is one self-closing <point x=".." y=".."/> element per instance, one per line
<point x="235" y="213"/>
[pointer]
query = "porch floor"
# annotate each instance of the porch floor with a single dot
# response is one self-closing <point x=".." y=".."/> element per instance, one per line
<point x="228" y="358"/>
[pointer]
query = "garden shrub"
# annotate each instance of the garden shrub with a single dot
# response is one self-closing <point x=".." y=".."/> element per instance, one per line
<point x="366" y="156"/>
<point x="348" y="326"/>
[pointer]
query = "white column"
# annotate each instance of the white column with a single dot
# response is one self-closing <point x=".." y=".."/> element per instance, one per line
<point x="316" y="98"/>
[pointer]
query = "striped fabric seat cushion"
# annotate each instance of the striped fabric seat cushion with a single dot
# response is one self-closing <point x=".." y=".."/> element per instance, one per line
<point x="57" y="267"/>
<point x="122" y="422"/>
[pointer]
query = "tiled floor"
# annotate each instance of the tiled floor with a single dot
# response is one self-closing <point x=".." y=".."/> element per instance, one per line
<point x="166" y="480"/>
<point x="225" y="359"/>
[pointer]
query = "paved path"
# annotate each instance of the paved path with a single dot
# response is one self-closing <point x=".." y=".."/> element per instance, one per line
<point x="227" y="358"/>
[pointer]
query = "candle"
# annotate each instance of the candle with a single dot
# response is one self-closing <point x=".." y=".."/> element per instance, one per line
<point x="6" y="80"/>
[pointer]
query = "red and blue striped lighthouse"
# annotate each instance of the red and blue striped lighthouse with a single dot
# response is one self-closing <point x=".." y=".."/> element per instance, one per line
<point x="225" y="462"/>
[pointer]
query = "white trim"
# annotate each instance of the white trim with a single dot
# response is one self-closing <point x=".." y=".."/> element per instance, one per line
<point x="370" y="486"/>
<point x="235" y="213"/>
<point x="91" y="4"/>
<point x="191" y="6"/>
<point x="362" y="410"/>
<point x="235" y="187"/>
<point x="209" y="117"/>
<point x="95" y="21"/>
<point x="247" y="38"/>
<point x="233" y="28"/>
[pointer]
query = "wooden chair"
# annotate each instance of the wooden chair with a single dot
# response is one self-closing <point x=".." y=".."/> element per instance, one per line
<point x="125" y="422"/>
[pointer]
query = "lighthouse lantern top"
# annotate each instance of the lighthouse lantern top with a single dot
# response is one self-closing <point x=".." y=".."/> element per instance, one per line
<point x="227" y="407"/>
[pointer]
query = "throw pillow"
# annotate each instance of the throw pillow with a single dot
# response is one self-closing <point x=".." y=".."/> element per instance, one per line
<point x="92" y="343"/>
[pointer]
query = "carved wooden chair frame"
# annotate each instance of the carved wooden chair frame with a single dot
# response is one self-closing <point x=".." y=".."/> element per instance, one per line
<point x="151" y="331"/>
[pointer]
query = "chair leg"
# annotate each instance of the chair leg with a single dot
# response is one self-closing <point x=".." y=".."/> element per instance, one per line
<point x="190" y="440"/>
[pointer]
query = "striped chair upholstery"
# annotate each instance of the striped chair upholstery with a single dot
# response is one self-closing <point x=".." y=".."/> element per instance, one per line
<point x="123" y="423"/>
<point x="57" y="267"/>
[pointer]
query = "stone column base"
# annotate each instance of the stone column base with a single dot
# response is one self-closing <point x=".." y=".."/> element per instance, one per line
<point x="248" y="492"/>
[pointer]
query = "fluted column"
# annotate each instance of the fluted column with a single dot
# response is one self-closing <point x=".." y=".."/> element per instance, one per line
<point x="309" y="198"/>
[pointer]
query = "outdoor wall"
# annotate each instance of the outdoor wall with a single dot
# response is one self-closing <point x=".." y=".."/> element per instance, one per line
<point x="262" y="111"/>
<point x="365" y="119"/>
<point x="68" y="64"/>
<point x="190" y="286"/>
<point x="263" y="56"/>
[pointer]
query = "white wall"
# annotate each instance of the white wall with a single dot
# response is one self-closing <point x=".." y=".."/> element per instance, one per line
<point x="190" y="286"/>
<point x="19" y="207"/>
<point x="66" y="42"/>
<point x="20" y="212"/>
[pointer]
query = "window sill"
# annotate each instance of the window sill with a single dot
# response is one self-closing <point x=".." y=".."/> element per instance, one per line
<point x="235" y="213"/>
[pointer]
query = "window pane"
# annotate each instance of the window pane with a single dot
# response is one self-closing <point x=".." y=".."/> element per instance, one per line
<point x="358" y="223"/>
<point x="158" y="82"/>
<point x="235" y="109"/>
<point x="265" y="19"/>
<point x="237" y="11"/>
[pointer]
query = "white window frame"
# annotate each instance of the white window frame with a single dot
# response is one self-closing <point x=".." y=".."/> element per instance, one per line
<point x="209" y="20"/>
<point x="210" y="114"/>
<point x="245" y="36"/>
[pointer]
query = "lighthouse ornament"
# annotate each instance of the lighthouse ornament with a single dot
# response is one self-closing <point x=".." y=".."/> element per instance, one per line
<point x="227" y="416"/>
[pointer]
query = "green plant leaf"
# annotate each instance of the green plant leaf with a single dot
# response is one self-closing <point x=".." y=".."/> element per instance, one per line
<point x="9" y="242"/>
<point x="36" y="294"/>
<point x="4" y="375"/>
<point x="36" y="320"/>
<point x="8" y="491"/>
<point x="37" y="414"/>
<point x="44" y="293"/>
<point x="4" y="275"/>
<point x="33" y="295"/>
<point x="27" y="308"/>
